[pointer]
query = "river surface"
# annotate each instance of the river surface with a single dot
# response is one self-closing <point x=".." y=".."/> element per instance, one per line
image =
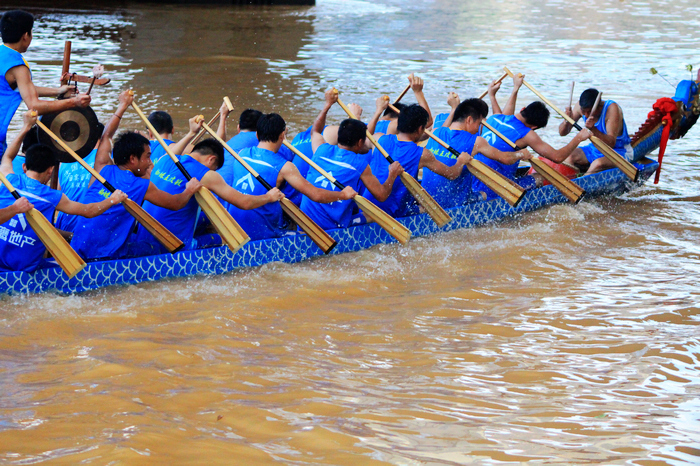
<point x="565" y="336"/>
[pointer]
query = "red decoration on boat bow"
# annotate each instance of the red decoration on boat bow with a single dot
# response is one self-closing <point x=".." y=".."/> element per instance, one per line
<point x="664" y="106"/>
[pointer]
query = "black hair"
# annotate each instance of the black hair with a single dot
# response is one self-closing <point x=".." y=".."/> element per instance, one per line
<point x="249" y="119"/>
<point x="39" y="158"/>
<point x="536" y="114"/>
<point x="211" y="146"/>
<point x="391" y="113"/>
<point x="351" y="131"/>
<point x="127" y="144"/>
<point x="269" y="127"/>
<point x="31" y="138"/>
<point x="161" y="121"/>
<point x="411" y="118"/>
<point x="14" y="24"/>
<point x="588" y="97"/>
<point x="475" y="108"/>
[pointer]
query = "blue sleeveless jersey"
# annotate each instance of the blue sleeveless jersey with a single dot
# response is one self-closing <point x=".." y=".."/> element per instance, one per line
<point x="510" y="127"/>
<point x="400" y="202"/>
<point x="106" y="235"/>
<point x="449" y="193"/>
<point x="346" y="167"/>
<point x="622" y="143"/>
<point x="20" y="247"/>
<point x="9" y="98"/>
<point x="73" y="180"/>
<point x="167" y="177"/>
<point x="17" y="164"/>
<point x="302" y="142"/>
<point x="157" y="150"/>
<point x="440" y="119"/>
<point x="382" y="127"/>
<point x="265" y="221"/>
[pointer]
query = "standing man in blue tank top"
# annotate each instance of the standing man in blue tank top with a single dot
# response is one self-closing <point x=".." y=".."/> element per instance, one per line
<point x="348" y="162"/>
<point x="111" y="236"/>
<point x="20" y="247"/>
<point x="267" y="221"/>
<point x="461" y="131"/>
<point x="608" y="124"/>
<point x="16" y="79"/>
<point x="404" y="149"/>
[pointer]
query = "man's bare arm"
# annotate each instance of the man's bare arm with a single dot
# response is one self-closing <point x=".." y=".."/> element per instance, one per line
<point x="534" y="141"/>
<point x="317" y="140"/>
<point x="30" y="96"/>
<point x="14" y="147"/>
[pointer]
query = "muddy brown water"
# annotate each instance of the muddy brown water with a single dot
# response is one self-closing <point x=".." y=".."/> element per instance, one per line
<point x="565" y="336"/>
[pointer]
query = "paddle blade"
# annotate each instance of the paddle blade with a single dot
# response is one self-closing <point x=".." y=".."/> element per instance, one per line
<point x="567" y="187"/>
<point x="231" y="232"/>
<point x="498" y="183"/>
<point x="65" y="255"/>
<point x="317" y="234"/>
<point x="435" y="210"/>
<point x="171" y="242"/>
<point x="620" y="162"/>
<point x="384" y="220"/>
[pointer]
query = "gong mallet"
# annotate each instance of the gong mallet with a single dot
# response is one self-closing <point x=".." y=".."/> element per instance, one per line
<point x="171" y="242"/>
<point x="626" y="167"/>
<point x="55" y="243"/>
<point x="317" y="234"/>
<point x="374" y="213"/>
<point x="231" y="232"/>
<point x="202" y="131"/>
<point x="436" y="212"/>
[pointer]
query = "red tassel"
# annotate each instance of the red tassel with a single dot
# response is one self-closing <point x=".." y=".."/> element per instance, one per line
<point x="662" y="144"/>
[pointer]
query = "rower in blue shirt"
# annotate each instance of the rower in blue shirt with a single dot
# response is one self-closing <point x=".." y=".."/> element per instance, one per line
<point x="520" y="129"/>
<point x="348" y="162"/>
<point x="111" y="235"/>
<point x="405" y="150"/>
<point x="204" y="161"/>
<point x="16" y="79"/>
<point x="20" y="247"/>
<point x="608" y="124"/>
<point x="163" y="123"/>
<point x="267" y="221"/>
<point x="73" y="179"/>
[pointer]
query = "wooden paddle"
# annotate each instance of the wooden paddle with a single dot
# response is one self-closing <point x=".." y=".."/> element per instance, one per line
<point x="403" y="93"/>
<point x="568" y="188"/>
<point x="58" y="247"/>
<point x="317" y="234"/>
<point x="571" y="96"/>
<point x="374" y="213"/>
<point x="202" y="132"/>
<point x="627" y="168"/>
<point x="498" y="183"/>
<point x="436" y="212"/>
<point x="499" y="80"/>
<point x="171" y="242"/>
<point x="231" y="233"/>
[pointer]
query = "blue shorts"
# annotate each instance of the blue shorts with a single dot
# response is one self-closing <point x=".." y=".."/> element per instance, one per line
<point x="592" y="153"/>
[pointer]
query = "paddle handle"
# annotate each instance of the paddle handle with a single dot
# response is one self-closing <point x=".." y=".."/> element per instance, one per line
<point x="403" y="93"/>
<point x="452" y="150"/>
<point x="199" y="135"/>
<point x="77" y="158"/>
<point x="597" y="102"/>
<point x="167" y="149"/>
<point x="9" y="186"/>
<point x="313" y="164"/>
<point x="499" y="80"/>
<point x="240" y="159"/>
<point x="571" y="95"/>
<point x="369" y="135"/>
<point x="547" y="101"/>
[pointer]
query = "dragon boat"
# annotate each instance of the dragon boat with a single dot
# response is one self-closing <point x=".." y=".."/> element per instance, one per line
<point x="670" y="119"/>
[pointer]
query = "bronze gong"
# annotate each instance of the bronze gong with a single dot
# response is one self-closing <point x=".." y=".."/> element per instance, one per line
<point x="77" y="127"/>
